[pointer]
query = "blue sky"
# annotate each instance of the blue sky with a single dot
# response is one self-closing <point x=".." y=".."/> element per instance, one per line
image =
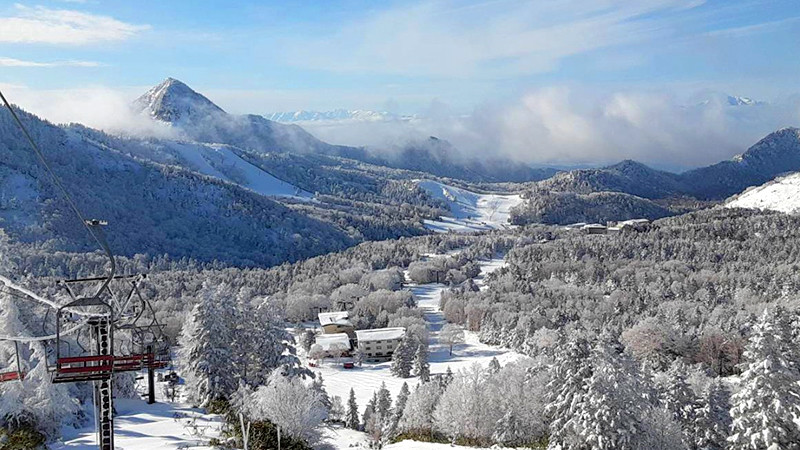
<point x="542" y="81"/>
<point x="266" y="56"/>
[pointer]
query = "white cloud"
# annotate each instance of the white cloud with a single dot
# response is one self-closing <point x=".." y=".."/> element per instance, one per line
<point x="490" y="40"/>
<point x="95" y="106"/>
<point x="13" y="62"/>
<point x="60" y="26"/>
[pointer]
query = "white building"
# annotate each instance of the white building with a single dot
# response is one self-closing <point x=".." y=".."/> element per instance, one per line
<point x="379" y="344"/>
<point x="331" y="346"/>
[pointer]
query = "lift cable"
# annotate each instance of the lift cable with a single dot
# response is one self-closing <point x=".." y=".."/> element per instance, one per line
<point x="52" y="174"/>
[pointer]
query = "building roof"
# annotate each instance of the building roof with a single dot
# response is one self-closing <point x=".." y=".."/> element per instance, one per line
<point x="378" y="334"/>
<point x="328" y="341"/>
<point x="593" y="226"/>
<point x="334" y="318"/>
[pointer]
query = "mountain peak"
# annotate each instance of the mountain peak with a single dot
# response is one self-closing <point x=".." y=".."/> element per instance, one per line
<point x="173" y="101"/>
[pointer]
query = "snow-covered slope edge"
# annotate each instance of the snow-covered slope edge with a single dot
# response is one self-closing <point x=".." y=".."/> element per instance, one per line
<point x="471" y="211"/>
<point x="781" y="194"/>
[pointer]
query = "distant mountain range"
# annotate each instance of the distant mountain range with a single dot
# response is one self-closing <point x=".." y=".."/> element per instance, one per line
<point x="336" y="115"/>
<point x="777" y="153"/>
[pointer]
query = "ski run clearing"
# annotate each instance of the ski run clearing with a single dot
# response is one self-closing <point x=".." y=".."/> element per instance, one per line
<point x="166" y="425"/>
<point x="471" y="211"/>
<point x="781" y="194"/>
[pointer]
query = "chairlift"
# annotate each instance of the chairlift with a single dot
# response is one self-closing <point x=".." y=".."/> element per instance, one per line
<point x="13" y="375"/>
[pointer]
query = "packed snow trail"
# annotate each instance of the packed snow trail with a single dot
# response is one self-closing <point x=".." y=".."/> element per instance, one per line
<point x="139" y="426"/>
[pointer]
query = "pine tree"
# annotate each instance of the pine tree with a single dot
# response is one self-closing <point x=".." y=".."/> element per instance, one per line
<point x="205" y="354"/>
<point x="421" y="366"/>
<point x="403" y="358"/>
<point x="383" y="406"/>
<point x="399" y="407"/>
<point x="369" y="411"/>
<point x="351" y="419"/>
<point x="567" y="388"/>
<point x="317" y="386"/>
<point x="447" y="378"/>
<point x="713" y="418"/>
<point x="679" y="399"/>
<point x="494" y="365"/>
<point x="763" y="409"/>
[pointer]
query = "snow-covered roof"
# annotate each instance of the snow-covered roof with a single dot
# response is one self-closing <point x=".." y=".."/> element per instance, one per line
<point x="334" y="318"/>
<point x="328" y="341"/>
<point x="594" y="226"/>
<point x="633" y="222"/>
<point x="380" y="334"/>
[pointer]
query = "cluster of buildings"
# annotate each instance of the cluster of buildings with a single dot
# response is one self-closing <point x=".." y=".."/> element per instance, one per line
<point x="339" y="339"/>
<point x="610" y="227"/>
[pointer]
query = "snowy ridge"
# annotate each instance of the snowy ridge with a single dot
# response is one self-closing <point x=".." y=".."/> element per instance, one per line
<point x="781" y="194"/>
<point x="471" y="211"/>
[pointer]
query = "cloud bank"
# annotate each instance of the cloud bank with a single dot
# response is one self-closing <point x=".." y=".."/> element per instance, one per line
<point x="562" y="126"/>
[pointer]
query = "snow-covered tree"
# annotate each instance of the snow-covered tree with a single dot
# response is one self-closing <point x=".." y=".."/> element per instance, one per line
<point x="399" y="408"/>
<point x="567" y="388"/>
<point x="451" y="335"/>
<point x="765" y="408"/>
<point x="290" y="405"/>
<point x="337" y="411"/>
<point x="464" y="407"/>
<point x="494" y="365"/>
<point x="422" y="367"/>
<point x="383" y="406"/>
<point x="678" y="398"/>
<point x="33" y="400"/>
<point x="351" y="418"/>
<point x="403" y="357"/>
<point x="713" y="418"/>
<point x="418" y="413"/>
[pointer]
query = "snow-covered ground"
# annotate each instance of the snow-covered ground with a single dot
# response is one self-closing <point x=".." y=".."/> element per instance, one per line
<point x="781" y="194"/>
<point x="367" y="379"/>
<point x="471" y="211"/>
<point x="139" y="426"/>
<point x="221" y="162"/>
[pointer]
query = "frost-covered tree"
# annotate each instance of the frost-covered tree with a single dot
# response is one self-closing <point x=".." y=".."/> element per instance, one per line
<point x="290" y="405"/>
<point x="418" y="413"/>
<point x="422" y="367"/>
<point x="764" y="409"/>
<point x="451" y="335"/>
<point x="610" y="410"/>
<point x="494" y="365"/>
<point x="403" y="357"/>
<point x="337" y="411"/>
<point x="33" y="400"/>
<point x="351" y="418"/>
<point x="464" y="407"/>
<point x="205" y="354"/>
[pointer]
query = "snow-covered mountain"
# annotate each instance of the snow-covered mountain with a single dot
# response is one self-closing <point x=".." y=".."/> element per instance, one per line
<point x="334" y="115"/>
<point x="199" y="119"/>
<point x="781" y="194"/>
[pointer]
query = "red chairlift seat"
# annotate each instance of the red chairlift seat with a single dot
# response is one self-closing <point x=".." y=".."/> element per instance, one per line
<point x="11" y="376"/>
<point x="83" y="368"/>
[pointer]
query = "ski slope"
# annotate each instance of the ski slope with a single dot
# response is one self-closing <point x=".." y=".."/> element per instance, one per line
<point x="781" y="194"/>
<point x="221" y="162"/>
<point x="471" y="211"/>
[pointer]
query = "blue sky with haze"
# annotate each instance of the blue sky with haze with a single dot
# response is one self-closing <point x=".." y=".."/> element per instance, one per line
<point x="412" y="57"/>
